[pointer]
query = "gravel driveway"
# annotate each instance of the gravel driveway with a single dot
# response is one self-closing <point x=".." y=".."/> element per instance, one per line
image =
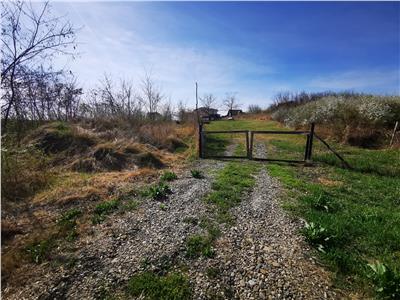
<point x="262" y="256"/>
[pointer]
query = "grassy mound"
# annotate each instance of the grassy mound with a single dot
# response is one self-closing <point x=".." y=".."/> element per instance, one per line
<point x="58" y="137"/>
<point x="149" y="160"/>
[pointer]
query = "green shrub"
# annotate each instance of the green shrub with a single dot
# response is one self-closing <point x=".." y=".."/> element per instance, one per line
<point x="387" y="281"/>
<point x="168" y="176"/>
<point x="196" y="174"/>
<point x="172" y="286"/>
<point x="103" y="209"/>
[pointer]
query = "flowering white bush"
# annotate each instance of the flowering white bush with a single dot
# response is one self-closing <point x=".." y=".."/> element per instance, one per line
<point x="360" y="110"/>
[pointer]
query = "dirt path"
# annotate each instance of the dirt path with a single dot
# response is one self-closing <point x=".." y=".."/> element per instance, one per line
<point x="260" y="257"/>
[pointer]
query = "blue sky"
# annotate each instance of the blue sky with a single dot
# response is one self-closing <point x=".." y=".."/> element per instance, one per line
<point x="254" y="49"/>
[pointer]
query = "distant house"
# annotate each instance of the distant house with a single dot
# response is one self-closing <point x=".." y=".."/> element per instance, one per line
<point x="207" y="114"/>
<point x="234" y="112"/>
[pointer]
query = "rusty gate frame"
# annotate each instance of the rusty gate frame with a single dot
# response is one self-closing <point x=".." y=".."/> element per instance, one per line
<point x="249" y="143"/>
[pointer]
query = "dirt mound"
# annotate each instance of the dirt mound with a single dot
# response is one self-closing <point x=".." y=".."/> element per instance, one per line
<point x="113" y="157"/>
<point x="59" y="137"/>
<point x="149" y="160"/>
<point x="85" y="151"/>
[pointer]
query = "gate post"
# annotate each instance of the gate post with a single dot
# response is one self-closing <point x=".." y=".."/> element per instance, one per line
<point x="247" y="144"/>
<point x="310" y="138"/>
<point x="200" y="140"/>
<point x="250" y="151"/>
<point x="307" y="145"/>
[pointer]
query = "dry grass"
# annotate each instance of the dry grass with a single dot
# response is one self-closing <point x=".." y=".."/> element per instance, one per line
<point x="63" y="166"/>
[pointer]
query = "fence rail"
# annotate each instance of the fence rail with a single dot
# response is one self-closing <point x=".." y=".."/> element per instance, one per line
<point x="310" y="134"/>
<point x="250" y="139"/>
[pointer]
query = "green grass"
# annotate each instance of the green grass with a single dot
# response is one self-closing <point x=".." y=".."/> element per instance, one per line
<point x="215" y="144"/>
<point x="67" y="224"/>
<point x="229" y="186"/>
<point x="199" y="245"/>
<point x="168" y="176"/>
<point x="131" y="204"/>
<point x="353" y="215"/>
<point x="103" y="209"/>
<point x="173" y="286"/>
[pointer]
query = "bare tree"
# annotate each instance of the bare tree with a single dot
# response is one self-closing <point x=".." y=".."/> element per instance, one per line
<point x="230" y="101"/>
<point x="127" y="97"/>
<point x="167" y="111"/>
<point x="254" y="109"/>
<point x="112" y="98"/>
<point x="28" y="36"/>
<point x="208" y="100"/>
<point x="150" y="95"/>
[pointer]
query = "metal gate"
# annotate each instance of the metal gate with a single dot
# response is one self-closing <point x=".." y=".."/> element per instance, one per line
<point x="249" y="137"/>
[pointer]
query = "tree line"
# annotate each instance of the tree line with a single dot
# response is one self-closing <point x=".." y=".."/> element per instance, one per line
<point x="33" y="90"/>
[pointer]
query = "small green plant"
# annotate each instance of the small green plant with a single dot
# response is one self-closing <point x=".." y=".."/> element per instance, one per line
<point x="199" y="245"/>
<point x="321" y="201"/>
<point x="168" y="176"/>
<point x="103" y="209"/>
<point x="316" y="235"/>
<point x="386" y="280"/>
<point x="196" y="174"/>
<point x="158" y="191"/>
<point x="154" y="287"/>
<point x="39" y="251"/>
<point x="67" y="224"/>
<point x="69" y="216"/>
<point x="163" y="206"/>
